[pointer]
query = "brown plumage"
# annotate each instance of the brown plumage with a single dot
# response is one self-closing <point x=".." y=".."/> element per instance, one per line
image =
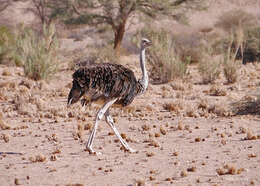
<point x="105" y="82"/>
<point x="112" y="84"/>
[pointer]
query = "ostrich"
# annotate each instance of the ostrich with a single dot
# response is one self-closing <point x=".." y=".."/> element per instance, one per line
<point x="108" y="84"/>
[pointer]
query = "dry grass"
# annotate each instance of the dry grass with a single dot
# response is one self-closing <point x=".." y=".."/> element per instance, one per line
<point x="37" y="158"/>
<point x="7" y="46"/>
<point x="230" y="71"/>
<point x="3" y="125"/>
<point x="229" y="169"/>
<point x="165" y="63"/>
<point x="173" y="107"/>
<point x="221" y="110"/>
<point x="190" y="45"/>
<point x="105" y="54"/>
<point x="209" y="68"/>
<point x="216" y="90"/>
<point x="235" y="19"/>
<point x="251" y="52"/>
<point x="236" y="23"/>
<point x="230" y="65"/>
<point x="38" y="53"/>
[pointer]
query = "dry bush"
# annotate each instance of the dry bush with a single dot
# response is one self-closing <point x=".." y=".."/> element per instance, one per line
<point x="221" y="110"/>
<point x="176" y="85"/>
<point x="174" y="107"/>
<point x="252" y="46"/>
<point x="37" y="158"/>
<point x="234" y="19"/>
<point x="216" y="90"/>
<point x="203" y="104"/>
<point x="209" y="68"/>
<point x="229" y="169"/>
<point x="230" y="65"/>
<point x="105" y="54"/>
<point x="236" y="23"/>
<point x="230" y="71"/>
<point x="3" y="125"/>
<point x="190" y="46"/>
<point x="38" y="52"/>
<point x="165" y="63"/>
<point x="7" y="47"/>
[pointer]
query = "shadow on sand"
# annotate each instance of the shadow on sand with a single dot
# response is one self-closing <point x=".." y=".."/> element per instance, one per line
<point x="249" y="107"/>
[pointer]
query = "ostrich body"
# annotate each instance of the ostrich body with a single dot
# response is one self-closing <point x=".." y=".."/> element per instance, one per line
<point x="109" y="84"/>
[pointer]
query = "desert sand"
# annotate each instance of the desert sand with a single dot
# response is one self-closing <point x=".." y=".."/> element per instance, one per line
<point x="185" y="132"/>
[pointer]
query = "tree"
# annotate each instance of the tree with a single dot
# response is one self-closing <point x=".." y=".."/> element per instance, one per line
<point x="41" y="10"/>
<point x="116" y="13"/>
<point x="4" y="4"/>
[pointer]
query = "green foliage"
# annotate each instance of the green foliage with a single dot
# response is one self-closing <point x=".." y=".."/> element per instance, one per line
<point x="165" y="63"/>
<point x="116" y="13"/>
<point x="38" y="53"/>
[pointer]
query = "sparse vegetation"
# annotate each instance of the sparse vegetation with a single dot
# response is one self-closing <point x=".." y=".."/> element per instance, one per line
<point x="105" y="54"/>
<point x="38" y="54"/>
<point x="37" y="158"/>
<point x="209" y="69"/>
<point x="230" y="65"/>
<point x="7" y="47"/>
<point x="189" y="45"/>
<point x="117" y="13"/>
<point x="229" y="169"/>
<point x="235" y="19"/>
<point x="172" y="126"/>
<point x="216" y="90"/>
<point x="236" y="23"/>
<point x="252" y="46"/>
<point x="163" y="59"/>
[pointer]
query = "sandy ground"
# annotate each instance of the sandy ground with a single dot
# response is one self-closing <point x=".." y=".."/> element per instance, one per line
<point x="184" y="135"/>
<point x="185" y="132"/>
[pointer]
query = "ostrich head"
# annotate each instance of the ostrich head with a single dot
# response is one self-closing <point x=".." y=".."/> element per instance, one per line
<point x="75" y="94"/>
<point x="145" y="43"/>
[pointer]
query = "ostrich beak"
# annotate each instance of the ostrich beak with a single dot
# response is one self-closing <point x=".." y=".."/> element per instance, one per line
<point x="148" y="44"/>
<point x="69" y="103"/>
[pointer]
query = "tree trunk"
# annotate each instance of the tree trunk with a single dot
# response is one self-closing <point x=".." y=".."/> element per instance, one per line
<point x="119" y="34"/>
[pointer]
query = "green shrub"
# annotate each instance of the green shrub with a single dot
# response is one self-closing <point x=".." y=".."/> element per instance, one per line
<point x="165" y="63"/>
<point x="38" y="52"/>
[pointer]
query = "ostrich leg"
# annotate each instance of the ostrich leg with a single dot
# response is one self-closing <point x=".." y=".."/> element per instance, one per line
<point x="99" y="116"/>
<point x="110" y="121"/>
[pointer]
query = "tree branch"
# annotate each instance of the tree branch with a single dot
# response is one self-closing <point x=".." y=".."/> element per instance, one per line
<point x="4" y="5"/>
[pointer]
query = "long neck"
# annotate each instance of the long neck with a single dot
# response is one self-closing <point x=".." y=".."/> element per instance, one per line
<point x="145" y="79"/>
